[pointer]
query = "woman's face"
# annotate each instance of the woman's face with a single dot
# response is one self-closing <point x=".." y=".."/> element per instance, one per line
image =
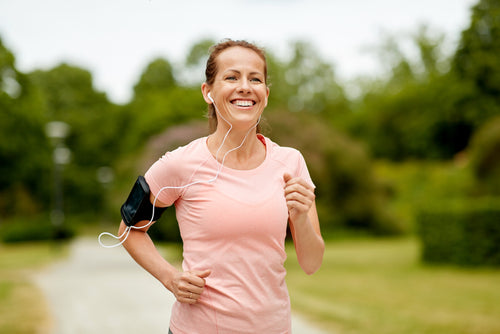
<point x="239" y="89"/>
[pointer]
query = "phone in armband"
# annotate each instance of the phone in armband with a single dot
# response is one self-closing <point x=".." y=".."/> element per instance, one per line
<point x="138" y="205"/>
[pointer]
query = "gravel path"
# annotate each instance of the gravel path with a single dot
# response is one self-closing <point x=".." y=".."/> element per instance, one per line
<point x="89" y="294"/>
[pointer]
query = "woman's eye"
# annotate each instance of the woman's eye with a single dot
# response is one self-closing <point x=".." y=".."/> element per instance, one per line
<point x="231" y="78"/>
<point x="255" y="80"/>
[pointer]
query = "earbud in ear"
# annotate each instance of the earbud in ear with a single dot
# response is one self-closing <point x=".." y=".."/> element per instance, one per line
<point x="210" y="98"/>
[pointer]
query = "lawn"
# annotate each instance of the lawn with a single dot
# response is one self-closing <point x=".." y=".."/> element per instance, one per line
<point x="380" y="286"/>
<point x="22" y="306"/>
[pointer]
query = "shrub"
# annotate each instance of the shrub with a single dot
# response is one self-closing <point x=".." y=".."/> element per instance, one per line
<point x="485" y="156"/>
<point x="462" y="233"/>
<point x="34" y="229"/>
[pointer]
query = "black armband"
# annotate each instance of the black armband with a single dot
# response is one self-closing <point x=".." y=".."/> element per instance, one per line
<point x="138" y="206"/>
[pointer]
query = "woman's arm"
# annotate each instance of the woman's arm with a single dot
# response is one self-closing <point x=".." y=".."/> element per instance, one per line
<point x="304" y="223"/>
<point x="186" y="286"/>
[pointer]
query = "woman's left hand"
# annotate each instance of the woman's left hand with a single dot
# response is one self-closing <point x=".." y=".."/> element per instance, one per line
<point x="299" y="197"/>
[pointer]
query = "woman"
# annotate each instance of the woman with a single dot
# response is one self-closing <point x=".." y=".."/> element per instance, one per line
<point x="234" y="193"/>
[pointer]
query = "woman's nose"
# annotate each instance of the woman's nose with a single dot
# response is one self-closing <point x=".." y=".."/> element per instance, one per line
<point x="244" y="86"/>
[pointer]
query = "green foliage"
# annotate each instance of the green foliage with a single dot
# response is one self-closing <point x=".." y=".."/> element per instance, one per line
<point x="157" y="77"/>
<point x="463" y="233"/>
<point x="432" y="108"/>
<point x="95" y="125"/>
<point x="36" y="228"/>
<point x="198" y="54"/>
<point x="420" y="115"/>
<point x="477" y="66"/>
<point x="153" y="112"/>
<point x="69" y="96"/>
<point x="485" y="157"/>
<point x="24" y="148"/>
<point x="426" y="107"/>
<point x="347" y="192"/>
<point x="306" y="83"/>
<point x="413" y="113"/>
<point x="477" y="56"/>
<point x="416" y="184"/>
<point x="159" y="102"/>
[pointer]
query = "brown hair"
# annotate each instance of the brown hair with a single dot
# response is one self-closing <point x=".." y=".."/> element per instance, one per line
<point x="211" y="70"/>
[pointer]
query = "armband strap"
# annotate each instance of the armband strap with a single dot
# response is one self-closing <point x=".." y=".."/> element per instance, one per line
<point x="138" y="206"/>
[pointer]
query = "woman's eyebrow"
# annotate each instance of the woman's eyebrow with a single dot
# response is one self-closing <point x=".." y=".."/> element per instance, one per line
<point x="239" y="72"/>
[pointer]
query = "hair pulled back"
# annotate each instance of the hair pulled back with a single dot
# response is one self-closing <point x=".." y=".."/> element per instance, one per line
<point x="211" y="70"/>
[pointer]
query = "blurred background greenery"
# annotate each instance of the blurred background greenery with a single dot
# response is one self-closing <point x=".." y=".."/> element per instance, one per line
<point x="414" y="152"/>
<point x="425" y="131"/>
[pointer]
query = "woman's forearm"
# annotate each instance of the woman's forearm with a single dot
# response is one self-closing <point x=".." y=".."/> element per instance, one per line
<point x="309" y="244"/>
<point x="142" y="249"/>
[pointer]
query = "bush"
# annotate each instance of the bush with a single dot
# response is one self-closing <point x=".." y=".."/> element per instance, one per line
<point x="34" y="229"/>
<point x="485" y="157"/>
<point x="463" y="233"/>
<point x="348" y="194"/>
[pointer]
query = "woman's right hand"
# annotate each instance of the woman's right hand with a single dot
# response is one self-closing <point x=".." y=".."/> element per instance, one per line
<point x="188" y="286"/>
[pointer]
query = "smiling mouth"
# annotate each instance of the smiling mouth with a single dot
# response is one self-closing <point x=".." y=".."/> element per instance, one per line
<point x="243" y="103"/>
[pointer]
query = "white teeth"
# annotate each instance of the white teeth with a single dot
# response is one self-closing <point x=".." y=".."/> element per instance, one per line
<point x="241" y="103"/>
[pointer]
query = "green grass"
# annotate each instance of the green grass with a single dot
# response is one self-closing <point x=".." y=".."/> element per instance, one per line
<point x="22" y="305"/>
<point x="379" y="286"/>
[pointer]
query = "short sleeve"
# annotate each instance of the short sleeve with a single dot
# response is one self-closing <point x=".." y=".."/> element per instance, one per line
<point x="164" y="180"/>
<point x="302" y="170"/>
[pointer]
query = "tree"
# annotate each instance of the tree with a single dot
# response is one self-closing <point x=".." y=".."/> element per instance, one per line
<point x="158" y="77"/>
<point x="477" y="66"/>
<point x="484" y="154"/>
<point x="476" y="59"/>
<point x="24" y="148"/>
<point x="413" y="112"/>
<point x="193" y="71"/>
<point x="306" y="83"/>
<point x="68" y="95"/>
<point x="159" y="102"/>
<point x="198" y="54"/>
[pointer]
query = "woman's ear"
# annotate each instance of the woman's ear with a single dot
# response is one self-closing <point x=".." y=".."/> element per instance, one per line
<point x="267" y="96"/>
<point x="205" y="90"/>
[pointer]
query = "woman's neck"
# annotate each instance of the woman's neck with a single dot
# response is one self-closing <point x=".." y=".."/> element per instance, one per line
<point x="247" y="151"/>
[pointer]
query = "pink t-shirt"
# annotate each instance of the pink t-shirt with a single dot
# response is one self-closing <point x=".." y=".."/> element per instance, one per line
<point x="236" y="227"/>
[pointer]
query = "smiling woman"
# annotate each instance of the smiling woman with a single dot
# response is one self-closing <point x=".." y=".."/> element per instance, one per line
<point x="239" y="87"/>
<point x="231" y="75"/>
<point x="235" y="191"/>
